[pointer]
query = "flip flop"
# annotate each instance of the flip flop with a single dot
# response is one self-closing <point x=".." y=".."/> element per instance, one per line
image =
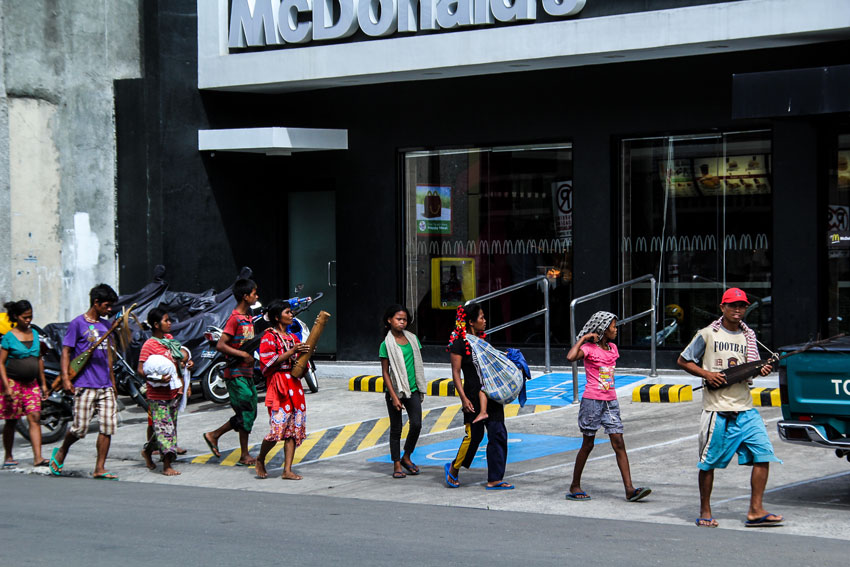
<point x="639" y="494"/>
<point x="213" y="447"/>
<point x="580" y="496"/>
<point x="53" y="465"/>
<point x="706" y="523"/>
<point x="9" y="464"/>
<point x="42" y="463"/>
<point x="399" y="474"/>
<point x="106" y="476"/>
<point x="450" y="477"/>
<point x="501" y="486"/>
<point x="763" y="522"/>
<point x="412" y="469"/>
<point x="180" y="450"/>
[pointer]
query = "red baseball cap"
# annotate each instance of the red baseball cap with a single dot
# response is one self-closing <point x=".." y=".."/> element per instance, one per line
<point x="734" y="294"/>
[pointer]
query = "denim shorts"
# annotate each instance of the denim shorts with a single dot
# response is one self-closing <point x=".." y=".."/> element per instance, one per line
<point x="593" y="414"/>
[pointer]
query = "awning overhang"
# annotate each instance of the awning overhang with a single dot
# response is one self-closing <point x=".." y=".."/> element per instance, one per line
<point x="272" y="141"/>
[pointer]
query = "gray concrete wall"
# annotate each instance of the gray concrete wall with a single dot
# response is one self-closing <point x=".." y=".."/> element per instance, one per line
<point x="58" y="151"/>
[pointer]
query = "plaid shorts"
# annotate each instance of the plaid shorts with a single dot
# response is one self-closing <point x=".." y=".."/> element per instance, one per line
<point x="86" y="402"/>
<point x="26" y="399"/>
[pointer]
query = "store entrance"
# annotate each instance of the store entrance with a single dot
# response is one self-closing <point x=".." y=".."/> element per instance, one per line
<point x="312" y="257"/>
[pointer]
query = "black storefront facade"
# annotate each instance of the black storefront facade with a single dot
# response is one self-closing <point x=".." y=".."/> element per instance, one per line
<point x="684" y="166"/>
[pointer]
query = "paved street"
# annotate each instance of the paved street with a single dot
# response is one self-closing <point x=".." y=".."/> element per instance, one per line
<point x="342" y="459"/>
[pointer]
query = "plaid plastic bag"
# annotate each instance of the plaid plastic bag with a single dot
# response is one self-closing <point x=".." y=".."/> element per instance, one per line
<point x="500" y="378"/>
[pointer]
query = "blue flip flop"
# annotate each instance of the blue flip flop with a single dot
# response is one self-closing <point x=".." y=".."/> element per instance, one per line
<point x="449" y="476"/>
<point x="706" y="522"/>
<point x="53" y="466"/>
<point x="501" y="486"/>
<point x="639" y="494"/>
<point x="763" y="522"/>
<point x="580" y="496"/>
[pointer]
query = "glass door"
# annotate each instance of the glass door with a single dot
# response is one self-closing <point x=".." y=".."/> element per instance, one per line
<point x="312" y="257"/>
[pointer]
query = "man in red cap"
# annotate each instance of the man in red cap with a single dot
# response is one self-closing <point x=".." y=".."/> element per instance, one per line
<point x="729" y="423"/>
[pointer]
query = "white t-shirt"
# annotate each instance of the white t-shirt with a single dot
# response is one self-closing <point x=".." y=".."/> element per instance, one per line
<point x="715" y="351"/>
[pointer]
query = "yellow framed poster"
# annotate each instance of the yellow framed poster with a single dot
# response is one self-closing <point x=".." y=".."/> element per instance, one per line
<point x="452" y="282"/>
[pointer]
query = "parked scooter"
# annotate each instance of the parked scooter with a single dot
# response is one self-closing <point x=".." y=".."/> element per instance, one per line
<point x="210" y="369"/>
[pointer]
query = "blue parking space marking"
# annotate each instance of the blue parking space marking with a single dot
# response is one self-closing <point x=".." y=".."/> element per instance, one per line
<point x="521" y="447"/>
<point x="556" y="389"/>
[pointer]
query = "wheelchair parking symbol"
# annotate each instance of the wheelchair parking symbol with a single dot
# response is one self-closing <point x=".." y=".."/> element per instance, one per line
<point x="556" y="389"/>
<point x="521" y="447"/>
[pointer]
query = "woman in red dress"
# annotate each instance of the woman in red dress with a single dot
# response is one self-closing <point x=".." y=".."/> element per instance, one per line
<point x="284" y="395"/>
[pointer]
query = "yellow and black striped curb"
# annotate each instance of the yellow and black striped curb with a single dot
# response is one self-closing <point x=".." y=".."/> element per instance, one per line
<point x="359" y="436"/>
<point x="663" y="393"/>
<point x="366" y="383"/>
<point x="766" y="397"/>
<point x="370" y="383"/>
<point x="442" y="387"/>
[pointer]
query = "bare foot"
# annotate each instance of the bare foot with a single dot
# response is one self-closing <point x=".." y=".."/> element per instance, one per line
<point x="480" y="417"/>
<point x="148" y="461"/>
<point x="168" y="471"/>
<point x="248" y="461"/>
<point x="290" y="476"/>
<point x="261" y="469"/>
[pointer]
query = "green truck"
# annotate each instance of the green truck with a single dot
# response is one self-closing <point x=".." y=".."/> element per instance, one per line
<point x="814" y="388"/>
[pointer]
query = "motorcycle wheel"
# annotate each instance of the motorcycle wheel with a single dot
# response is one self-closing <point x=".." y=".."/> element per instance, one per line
<point x="53" y="427"/>
<point x="311" y="378"/>
<point x="213" y="385"/>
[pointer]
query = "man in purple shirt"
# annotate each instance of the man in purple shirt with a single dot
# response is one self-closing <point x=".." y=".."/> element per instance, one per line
<point x="94" y="386"/>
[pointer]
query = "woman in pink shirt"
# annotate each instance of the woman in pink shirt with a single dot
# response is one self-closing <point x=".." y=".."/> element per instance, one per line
<point x="599" y="405"/>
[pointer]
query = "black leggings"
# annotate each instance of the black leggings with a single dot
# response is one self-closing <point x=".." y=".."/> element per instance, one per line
<point x="413" y="405"/>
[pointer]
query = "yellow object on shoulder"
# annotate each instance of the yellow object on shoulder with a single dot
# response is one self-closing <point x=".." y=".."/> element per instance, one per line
<point x="5" y="324"/>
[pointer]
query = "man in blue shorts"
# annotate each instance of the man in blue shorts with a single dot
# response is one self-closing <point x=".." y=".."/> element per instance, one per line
<point x="729" y="423"/>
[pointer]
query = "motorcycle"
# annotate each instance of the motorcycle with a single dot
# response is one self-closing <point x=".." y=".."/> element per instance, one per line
<point x="210" y="369"/>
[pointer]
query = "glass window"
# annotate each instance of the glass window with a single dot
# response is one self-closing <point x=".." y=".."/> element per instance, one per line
<point x="481" y="219"/>
<point x="696" y="213"/>
<point x="838" y="241"/>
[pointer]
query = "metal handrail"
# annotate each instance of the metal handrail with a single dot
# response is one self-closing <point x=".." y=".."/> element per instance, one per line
<point x="652" y="322"/>
<point x="544" y="311"/>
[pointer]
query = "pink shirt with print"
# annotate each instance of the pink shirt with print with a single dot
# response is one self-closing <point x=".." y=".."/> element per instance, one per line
<point x="599" y="365"/>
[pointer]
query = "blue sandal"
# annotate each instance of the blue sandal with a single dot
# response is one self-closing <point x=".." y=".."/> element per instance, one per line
<point x="451" y="481"/>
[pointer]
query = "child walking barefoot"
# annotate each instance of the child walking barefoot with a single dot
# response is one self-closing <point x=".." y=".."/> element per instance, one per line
<point x="482" y="401"/>
<point x="599" y="405"/>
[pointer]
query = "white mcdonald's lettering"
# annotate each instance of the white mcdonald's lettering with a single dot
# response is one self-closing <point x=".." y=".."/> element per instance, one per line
<point x="261" y="23"/>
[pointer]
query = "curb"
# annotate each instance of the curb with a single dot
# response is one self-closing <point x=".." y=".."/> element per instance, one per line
<point x="663" y="393"/>
<point x="442" y="387"/>
<point x="366" y="383"/>
<point x="371" y="383"/>
<point x="766" y="397"/>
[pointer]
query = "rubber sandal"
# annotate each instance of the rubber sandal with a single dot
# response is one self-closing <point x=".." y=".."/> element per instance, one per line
<point x="701" y="523"/>
<point x="42" y="463"/>
<point x="580" y="496"/>
<point x="9" y="464"/>
<point x="763" y="522"/>
<point x="105" y="476"/>
<point x="501" y="486"/>
<point x="213" y="447"/>
<point x="639" y="494"/>
<point x="449" y="477"/>
<point x="412" y="469"/>
<point x="53" y="465"/>
<point x="399" y="474"/>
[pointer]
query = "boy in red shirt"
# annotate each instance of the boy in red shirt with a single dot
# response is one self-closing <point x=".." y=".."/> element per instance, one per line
<point x="239" y="378"/>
